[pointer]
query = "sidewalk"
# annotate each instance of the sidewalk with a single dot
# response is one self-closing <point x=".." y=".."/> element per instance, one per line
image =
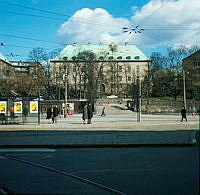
<point x="112" y="130"/>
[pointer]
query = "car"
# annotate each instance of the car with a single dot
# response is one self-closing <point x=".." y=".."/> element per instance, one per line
<point x="112" y="96"/>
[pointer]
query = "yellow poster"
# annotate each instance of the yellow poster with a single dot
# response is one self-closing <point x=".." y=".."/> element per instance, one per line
<point x="18" y="107"/>
<point x="34" y="107"/>
<point x="3" y="106"/>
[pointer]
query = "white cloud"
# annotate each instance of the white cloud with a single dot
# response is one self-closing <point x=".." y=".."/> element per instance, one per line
<point x="94" y="26"/>
<point x="98" y="25"/>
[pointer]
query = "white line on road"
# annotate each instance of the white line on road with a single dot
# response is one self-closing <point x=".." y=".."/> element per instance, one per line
<point x="26" y="150"/>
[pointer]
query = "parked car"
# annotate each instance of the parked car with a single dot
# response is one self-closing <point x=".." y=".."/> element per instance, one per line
<point x="112" y="96"/>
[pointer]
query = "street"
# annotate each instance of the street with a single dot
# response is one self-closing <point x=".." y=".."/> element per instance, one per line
<point x="138" y="170"/>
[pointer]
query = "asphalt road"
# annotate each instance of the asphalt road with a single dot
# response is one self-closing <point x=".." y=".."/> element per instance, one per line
<point x="142" y="170"/>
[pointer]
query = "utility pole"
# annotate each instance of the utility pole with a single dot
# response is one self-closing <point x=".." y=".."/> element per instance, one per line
<point x="139" y="94"/>
<point x="184" y="89"/>
<point x="39" y="106"/>
<point x="65" y="67"/>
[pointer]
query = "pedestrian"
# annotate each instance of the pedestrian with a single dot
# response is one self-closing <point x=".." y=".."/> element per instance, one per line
<point x="25" y="113"/>
<point x="103" y="111"/>
<point x="49" y="114"/>
<point x="55" y="114"/>
<point x="85" y="114"/>
<point x="12" y="114"/>
<point x="183" y="114"/>
<point x="90" y="113"/>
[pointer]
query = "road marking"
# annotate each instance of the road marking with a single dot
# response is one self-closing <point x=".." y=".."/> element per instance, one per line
<point x="2" y="157"/>
<point x="26" y="150"/>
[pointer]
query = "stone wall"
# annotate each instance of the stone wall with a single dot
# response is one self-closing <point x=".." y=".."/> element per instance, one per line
<point x="158" y="106"/>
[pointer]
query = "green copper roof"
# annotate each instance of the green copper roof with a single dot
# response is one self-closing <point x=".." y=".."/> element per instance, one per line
<point x="124" y="52"/>
<point x="2" y="57"/>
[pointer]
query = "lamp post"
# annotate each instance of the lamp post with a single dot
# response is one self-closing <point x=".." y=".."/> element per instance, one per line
<point x="184" y="89"/>
<point x="65" y="113"/>
<point x="139" y="102"/>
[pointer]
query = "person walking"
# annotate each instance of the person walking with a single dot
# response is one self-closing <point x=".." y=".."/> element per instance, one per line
<point x="55" y="114"/>
<point x="183" y="114"/>
<point x="90" y="113"/>
<point x="85" y="114"/>
<point x="25" y="113"/>
<point x="103" y="111"/>
<point x="49" y="114"/>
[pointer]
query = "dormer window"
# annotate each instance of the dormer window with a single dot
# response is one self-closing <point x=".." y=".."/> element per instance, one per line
<point x="119" y="57"/>
<point x="110" y="58"/>
<point x="74" y="58"/>
<point x="128" y="57"/>
<point x="101" y="58"/>
<point x="65" y="58"/>
<point x="137" y="57"/>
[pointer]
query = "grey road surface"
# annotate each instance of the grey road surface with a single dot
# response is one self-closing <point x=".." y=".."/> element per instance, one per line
<point x="139" y="170"/>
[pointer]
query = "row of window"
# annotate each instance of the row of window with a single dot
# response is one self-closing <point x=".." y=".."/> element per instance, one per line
<point x="110" y="58"/>
<point x="120" y="78"/>
<point x="120" y="68"/>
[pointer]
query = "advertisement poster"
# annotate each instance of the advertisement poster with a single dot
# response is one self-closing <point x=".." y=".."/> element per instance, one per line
<point x="18" y="107"/>
<point x="3" y="106"/>
<point x="44" y="108"/>
<point x="34" y="107"/>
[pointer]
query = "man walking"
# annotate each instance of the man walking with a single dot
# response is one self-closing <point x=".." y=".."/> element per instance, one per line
<point x="55" y="114"/>
<point x="183" y="114"/>
<point x="90" y="113"/>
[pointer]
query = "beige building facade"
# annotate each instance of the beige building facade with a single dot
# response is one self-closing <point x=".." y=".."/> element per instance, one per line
<point x="115" y="67"/>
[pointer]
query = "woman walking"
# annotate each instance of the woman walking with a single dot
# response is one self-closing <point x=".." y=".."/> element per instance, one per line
<point x="85" y="114"/>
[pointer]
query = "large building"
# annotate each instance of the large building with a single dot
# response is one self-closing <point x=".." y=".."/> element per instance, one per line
<point x="115" y="67"/>
<point x="191" y="66"/>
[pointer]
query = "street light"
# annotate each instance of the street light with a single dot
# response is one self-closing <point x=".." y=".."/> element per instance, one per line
<point x="184" y="89"/>
<point x="139" y="100"/>
<point x="65" y="68"/>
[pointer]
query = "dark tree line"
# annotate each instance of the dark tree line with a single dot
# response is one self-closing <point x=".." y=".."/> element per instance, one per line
<point x="166" y="76"/>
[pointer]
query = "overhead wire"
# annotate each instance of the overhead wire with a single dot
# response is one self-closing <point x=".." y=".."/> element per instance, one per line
<point x="56" y="13"/>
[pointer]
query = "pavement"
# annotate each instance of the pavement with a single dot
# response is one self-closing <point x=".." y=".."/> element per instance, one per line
<point x="115" y="130"/>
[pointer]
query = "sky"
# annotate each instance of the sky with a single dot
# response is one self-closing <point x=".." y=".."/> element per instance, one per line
<point x="152" y="25"/>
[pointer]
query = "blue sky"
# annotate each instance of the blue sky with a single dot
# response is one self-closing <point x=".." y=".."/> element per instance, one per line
<point x="165" y="23"/>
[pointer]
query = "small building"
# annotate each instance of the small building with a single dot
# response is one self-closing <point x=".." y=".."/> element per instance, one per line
<point x="6" y="69"/>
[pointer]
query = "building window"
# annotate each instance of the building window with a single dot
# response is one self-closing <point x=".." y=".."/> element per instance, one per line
<point x="7" y="72"/>
<point x="137" y="57"/>
<point x="120" y="68"/>
<point x="129" y="78"/>
<point x="129" y="68"/>
<point x="74" y="68"/>
<point x="128" y="57"/>
<point x="120" y="78"/>
<point x="111" y="68"/>
<point x="138" y="68"/>
<point x="101" y="69"/>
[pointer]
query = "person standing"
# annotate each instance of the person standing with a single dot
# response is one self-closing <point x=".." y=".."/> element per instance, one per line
<point x="183" y="114"/>
<point x="25" y="113"/>
<point x="90" y="113"/>
<point x="49" y="114"/>
<point x="85" y="114"/>
<point x="12" y="114"/>
<point x="55" y="114"/>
